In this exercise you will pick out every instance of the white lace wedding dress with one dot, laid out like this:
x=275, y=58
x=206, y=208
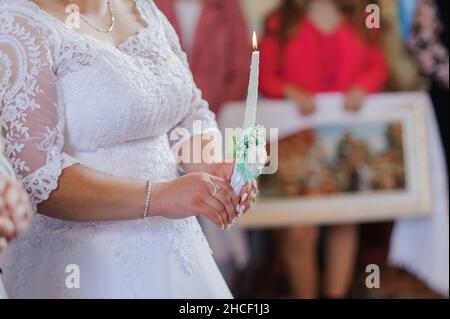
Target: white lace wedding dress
x=68, y=98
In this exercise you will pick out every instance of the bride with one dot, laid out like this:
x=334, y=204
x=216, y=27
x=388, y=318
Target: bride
x=86, y=115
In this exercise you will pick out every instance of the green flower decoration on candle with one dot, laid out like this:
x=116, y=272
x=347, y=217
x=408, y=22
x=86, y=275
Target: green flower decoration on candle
x=250, y=152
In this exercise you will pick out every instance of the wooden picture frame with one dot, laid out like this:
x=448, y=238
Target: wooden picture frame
x=412, y=200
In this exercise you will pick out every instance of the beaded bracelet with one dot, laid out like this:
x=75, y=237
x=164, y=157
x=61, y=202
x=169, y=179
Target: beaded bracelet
x=148, y=199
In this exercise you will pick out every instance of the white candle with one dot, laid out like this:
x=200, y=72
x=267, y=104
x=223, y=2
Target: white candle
x=252, y=95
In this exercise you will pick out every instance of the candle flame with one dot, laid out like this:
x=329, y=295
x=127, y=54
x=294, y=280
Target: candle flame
x=255, y=41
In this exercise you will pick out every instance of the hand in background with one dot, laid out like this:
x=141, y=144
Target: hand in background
x=354, y=99
x=15, y=210
x=304, y=101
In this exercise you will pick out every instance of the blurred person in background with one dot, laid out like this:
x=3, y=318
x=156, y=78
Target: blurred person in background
x=425, y=31
x=215, y=37
x=310, y=47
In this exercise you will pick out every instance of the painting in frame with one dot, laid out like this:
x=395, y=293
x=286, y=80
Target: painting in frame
x=339, y=167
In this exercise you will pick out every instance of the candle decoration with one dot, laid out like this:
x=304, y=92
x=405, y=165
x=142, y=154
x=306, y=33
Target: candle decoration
x=249, y=149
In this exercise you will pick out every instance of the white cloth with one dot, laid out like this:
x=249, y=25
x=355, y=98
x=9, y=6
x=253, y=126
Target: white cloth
x=2, y=291
x=69, y=98
x=421, y=245
x=188, y=15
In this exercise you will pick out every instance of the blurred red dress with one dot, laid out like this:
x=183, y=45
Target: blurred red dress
x=318, y=62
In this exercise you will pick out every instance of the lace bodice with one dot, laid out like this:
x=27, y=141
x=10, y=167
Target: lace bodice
x=69, y=98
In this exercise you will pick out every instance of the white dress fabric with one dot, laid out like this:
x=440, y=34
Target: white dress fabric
x=68, y=98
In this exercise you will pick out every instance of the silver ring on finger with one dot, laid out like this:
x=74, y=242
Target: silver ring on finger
x=216, y=190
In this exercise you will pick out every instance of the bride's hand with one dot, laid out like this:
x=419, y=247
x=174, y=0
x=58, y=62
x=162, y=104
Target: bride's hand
x=248, y=193
x=196, y=194
x=248, y=197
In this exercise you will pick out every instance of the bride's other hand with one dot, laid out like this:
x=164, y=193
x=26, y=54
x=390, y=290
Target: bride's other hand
x=195, y=194
x=223, y=170
x=15, y=211
x=248, y=197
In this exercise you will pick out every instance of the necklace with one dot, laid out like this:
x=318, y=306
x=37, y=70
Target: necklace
x=111, y=25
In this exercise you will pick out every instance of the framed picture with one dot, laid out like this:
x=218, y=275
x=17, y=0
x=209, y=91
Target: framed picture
x=339, y=167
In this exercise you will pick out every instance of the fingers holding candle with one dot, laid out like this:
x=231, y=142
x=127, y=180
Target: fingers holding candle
x=248, y=197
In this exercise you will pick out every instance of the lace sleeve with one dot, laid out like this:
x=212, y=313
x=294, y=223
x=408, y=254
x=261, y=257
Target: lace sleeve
x=5, y=167
x=200, y=112
x=32, y=123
